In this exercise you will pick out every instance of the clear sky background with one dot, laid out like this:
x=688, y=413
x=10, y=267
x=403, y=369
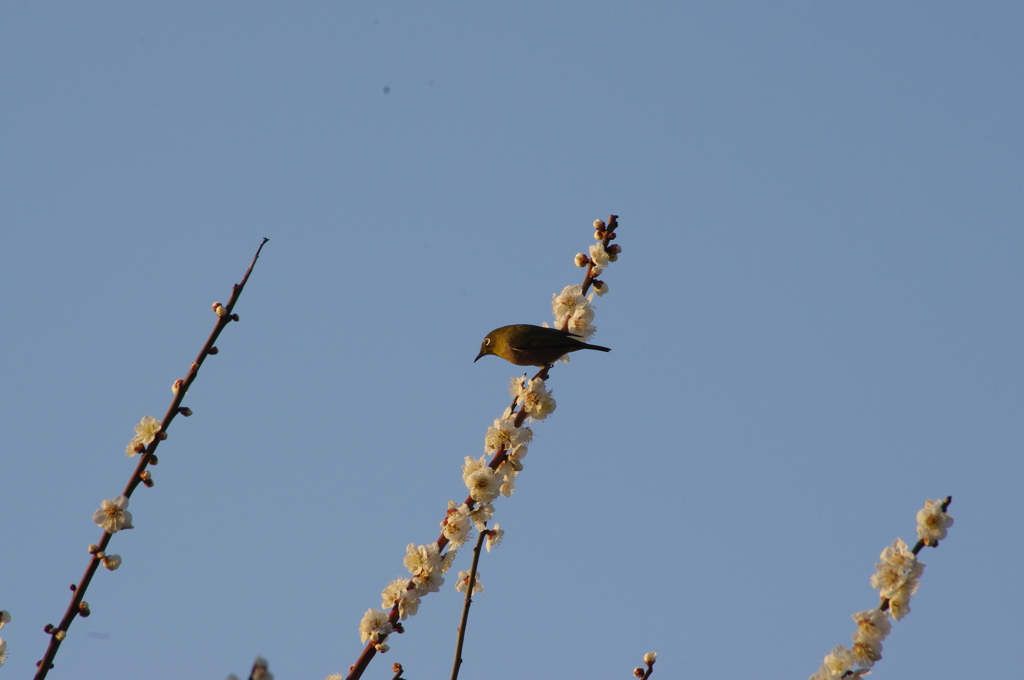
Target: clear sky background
x=816, y=325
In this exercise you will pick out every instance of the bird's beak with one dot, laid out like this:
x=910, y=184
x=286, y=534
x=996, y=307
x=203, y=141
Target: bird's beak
x=478, y=356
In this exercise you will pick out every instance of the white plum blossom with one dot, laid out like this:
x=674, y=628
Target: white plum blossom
x=398, y=594
x=579, y=323
x=505, y=435
x=899, y=569
x=375, y=626
x=145, y=432
x=535, y=398
x=896, y=577
x=932, y=522
x=568, y=301
x=471, y=465
x=456, y=525
x=494, y=537
x=483, y=484
x=516, y=455
x=463, y=583
x=424, y=559
x=872, y=625
x=838, y=661
x=506, y=472
x=866, y=653
x=599, y=256
x=113, y=515
x=481, y=515
x=899, y=603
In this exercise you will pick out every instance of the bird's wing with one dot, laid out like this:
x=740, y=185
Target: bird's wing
x=552, y=337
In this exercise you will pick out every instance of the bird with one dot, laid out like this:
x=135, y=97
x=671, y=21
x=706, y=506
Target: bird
x=526, y=345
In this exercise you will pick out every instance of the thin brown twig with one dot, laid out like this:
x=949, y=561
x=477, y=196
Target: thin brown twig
x=465, y=607
x=57, y=633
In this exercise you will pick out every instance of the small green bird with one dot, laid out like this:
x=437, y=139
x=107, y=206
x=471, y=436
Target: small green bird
x=526, y=345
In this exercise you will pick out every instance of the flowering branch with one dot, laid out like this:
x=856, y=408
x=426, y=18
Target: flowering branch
x=896, y=579
x=507, y=442
x=113, y=515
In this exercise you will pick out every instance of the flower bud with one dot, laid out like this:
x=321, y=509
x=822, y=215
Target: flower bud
x=177, y=385
x=59, y=635
x=146, y=478
x=598, y=235
x=112, y=562
x=600, y=287
x=213, y=350
x=83, y=609
x=650, y=658
x=581, y=260
x=614, y=249
x=234, y=317
x=93, y=548
x=638, y=672
x=219, y=309
x=382, y=648
x=185, y=411
x=599, y=225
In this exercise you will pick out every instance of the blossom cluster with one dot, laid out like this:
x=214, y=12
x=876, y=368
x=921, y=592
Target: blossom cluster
x=572, y=309
x=427, y=564
x=573, y=312
x=932, y=522
x=896, y=578
x=534, y=396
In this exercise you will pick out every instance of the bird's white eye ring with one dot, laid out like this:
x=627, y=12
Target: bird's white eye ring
x=487, y=341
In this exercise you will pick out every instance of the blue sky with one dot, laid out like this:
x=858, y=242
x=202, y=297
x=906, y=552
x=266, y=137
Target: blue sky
x=815, y=326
